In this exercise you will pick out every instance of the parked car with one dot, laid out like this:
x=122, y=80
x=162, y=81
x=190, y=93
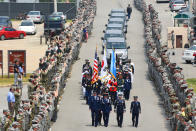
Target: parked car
x=188, y=54
x=184, y=9
x=9, y=32
x=64, y=17
x=177, y=5
x=5, y=21
x=36, y=16
x=120, y=46
x=28, y=27
x=54, y=23
x=172, y=1
x=158, y=1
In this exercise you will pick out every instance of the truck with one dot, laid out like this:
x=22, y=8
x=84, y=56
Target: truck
x=54, y=23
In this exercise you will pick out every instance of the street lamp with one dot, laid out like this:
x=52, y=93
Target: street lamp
x=55, y=5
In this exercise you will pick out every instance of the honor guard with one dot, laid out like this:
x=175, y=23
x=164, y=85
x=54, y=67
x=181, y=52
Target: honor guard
x=120, y=108
x=106, y=108
x=135, y=110
x=95, y=107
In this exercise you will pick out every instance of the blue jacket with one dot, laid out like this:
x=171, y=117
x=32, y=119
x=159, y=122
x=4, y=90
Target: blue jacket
x=95, y=103
x=120, y=106
x=106, y=105
x=127, y=84
x=135, y=107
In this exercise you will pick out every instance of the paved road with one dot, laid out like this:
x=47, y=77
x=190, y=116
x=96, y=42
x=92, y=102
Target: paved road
x=74, y=114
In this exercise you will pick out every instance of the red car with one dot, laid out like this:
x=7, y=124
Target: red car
x=9, y=32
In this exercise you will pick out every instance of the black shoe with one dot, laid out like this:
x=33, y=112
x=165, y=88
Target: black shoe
x=120, y=126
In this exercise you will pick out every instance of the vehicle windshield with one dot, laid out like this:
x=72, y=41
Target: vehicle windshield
x=54, y=18
x=26, y=24
x=3, y=20
x=110, y=28
x=1, y=28
x=58, y=13
x=33, y=13
x=116, y=22
x=113, y=35
x=192, y=48
x=178, y=2
x=116, y=45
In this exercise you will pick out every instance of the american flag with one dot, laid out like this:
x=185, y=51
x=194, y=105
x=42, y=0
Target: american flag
x=95, y=69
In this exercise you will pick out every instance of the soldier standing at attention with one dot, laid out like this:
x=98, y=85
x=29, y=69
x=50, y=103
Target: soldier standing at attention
x=119, y=108
x=106, y=108
x=135, y=110
x=95, y=107
x=17, y=95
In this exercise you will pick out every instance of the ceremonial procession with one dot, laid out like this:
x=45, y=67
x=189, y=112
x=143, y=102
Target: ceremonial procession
x=101, y=65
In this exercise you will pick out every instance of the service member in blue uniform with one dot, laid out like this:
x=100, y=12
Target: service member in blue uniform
x=95, y=107
x=106, y=108
x=135, y=110
x=127, y=87
x=120, y=108
x=86, y=83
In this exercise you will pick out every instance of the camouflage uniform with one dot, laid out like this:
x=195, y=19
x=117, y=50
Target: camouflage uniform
x=17, y=94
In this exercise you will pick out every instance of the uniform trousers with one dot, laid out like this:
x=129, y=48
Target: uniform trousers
x=135, y=117
x=126, y=94
x=120, y=118
x=106, y=118
x=95, y=117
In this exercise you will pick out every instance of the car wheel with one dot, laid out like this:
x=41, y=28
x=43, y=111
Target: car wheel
x=2, y=37
x=188, y=61
x=21, y=36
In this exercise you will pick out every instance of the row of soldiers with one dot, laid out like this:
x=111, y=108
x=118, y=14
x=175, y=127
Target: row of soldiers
x=48, y=81
x=178, y=99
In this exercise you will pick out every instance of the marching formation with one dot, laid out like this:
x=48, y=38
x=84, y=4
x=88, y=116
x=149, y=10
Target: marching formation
x=101, y=94
x=48, y=82
x=177, y=99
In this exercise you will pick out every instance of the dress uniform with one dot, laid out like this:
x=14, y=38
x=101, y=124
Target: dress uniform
x=127, y=87
x=86, y=82
x=95, y=107
x=106, y=108
x=135, y=110
x=120, y=108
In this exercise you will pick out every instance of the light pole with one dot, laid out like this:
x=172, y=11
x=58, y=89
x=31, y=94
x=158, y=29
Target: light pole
x=55, y=5
x=34, y=5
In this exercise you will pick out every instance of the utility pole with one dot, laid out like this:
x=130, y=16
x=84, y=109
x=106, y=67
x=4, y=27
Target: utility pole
x=55, y=5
